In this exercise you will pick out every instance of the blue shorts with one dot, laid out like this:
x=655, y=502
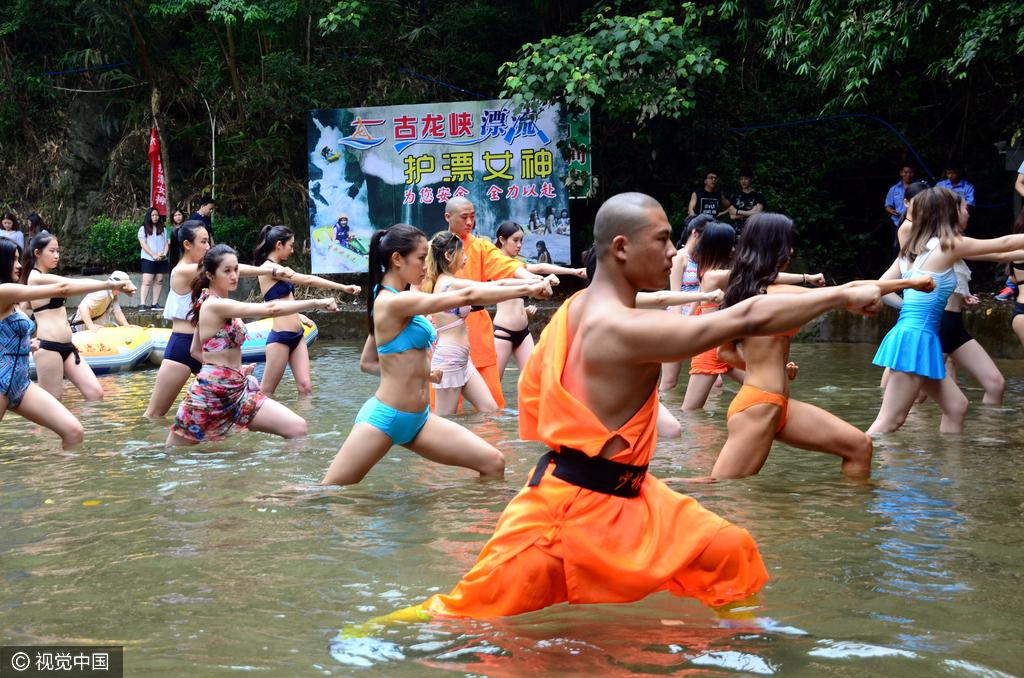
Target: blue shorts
x=400, y=426
x=289, y=339
x=179, y=349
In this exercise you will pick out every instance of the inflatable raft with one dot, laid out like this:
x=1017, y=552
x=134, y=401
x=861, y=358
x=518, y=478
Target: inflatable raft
x=110, y=349
x=254, y=350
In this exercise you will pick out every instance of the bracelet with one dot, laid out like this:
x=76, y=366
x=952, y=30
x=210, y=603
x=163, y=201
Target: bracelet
x=804, y=281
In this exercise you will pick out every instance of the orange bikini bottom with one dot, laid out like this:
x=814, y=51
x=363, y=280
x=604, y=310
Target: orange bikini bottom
x=708, y=363
x=749, y=396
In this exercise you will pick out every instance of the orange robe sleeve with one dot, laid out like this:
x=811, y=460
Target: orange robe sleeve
x=557, y=542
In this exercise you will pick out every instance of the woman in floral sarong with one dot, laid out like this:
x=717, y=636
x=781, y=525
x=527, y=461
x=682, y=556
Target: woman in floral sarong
x=225, y=397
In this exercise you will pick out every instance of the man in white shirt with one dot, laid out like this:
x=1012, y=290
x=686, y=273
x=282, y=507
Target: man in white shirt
x=96, y=305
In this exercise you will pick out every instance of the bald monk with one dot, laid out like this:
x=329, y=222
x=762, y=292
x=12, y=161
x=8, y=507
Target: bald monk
x=484, y=262
x=591, y=525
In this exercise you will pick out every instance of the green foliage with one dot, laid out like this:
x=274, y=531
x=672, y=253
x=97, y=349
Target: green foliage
x=239, y=232
x=638, y=67
x=115, y=244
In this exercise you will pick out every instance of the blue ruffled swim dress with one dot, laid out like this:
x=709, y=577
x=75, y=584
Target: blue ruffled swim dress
x=912, y=345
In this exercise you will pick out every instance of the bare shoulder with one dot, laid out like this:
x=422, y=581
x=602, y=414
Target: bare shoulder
x=716, y=279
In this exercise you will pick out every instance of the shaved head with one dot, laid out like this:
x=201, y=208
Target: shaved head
x=456, y=204
x=622, y=214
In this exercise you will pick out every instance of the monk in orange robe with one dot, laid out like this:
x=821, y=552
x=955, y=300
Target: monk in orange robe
x=484, y=262
x=591, y=525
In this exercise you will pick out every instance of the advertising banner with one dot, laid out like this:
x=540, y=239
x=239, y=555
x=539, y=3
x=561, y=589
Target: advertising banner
x=157, y=182
x=373, y=167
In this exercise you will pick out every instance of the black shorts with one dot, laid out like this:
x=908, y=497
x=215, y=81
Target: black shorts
x=149, y=266
x=178, y=349
x=952, y=333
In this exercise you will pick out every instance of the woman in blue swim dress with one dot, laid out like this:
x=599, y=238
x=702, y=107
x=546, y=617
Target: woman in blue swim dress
x=912, y=350
x=17, y=393
x=398, y=349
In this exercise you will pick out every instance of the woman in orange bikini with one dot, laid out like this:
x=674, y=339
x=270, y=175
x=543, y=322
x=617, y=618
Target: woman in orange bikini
x=714, y=256
x=762, y=410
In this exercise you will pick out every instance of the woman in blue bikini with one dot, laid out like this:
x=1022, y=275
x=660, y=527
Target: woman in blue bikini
x=285, y=346
x=398, y=349
x=912, y=350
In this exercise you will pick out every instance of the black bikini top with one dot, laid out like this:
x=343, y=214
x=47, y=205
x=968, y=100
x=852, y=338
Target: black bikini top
x=54, y=302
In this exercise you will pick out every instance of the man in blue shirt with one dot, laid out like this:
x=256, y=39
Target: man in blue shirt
x=957, y=184
x=894, y=198
x=204, y=212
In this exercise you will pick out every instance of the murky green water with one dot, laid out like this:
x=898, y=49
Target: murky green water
x=222, y=560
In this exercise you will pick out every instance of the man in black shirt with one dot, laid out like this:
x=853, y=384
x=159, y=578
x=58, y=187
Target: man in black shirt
x=709, y=200
x=747, y=202
x=204, y=212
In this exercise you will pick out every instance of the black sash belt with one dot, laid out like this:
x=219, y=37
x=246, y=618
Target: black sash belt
x=591, y=473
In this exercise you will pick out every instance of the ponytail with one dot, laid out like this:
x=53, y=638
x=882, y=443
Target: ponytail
x=269, y=236
x=186, y=232
x=400, y=238
x=28, y=261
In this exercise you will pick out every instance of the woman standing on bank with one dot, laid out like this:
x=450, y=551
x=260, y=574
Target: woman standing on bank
x=285, y=345
x=154, y=244
x=57, y=357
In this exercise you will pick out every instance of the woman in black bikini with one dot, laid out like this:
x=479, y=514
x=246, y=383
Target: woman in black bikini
x=512, y=319
x=57, y=356
x=1017, y=273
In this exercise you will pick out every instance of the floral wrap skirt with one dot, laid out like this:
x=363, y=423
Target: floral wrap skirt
x=219, y=401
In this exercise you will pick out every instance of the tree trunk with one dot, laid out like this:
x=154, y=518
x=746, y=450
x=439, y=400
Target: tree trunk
x=236, y=82
x=140, y=44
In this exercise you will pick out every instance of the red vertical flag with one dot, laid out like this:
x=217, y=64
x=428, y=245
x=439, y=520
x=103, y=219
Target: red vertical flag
x=158, y=185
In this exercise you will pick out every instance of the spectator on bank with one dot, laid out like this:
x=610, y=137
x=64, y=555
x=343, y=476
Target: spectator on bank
x=957, y=183
x=1020, y=180
x=747, y=202
x=708, y=199
x=95, y=308
x=36, y=225
x=1010, y=290
x=177, y=219
x=894, y=198
x=11, y=229
x=204, y=212
x=153, y=241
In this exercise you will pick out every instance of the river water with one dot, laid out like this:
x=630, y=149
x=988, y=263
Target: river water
x=227, y=559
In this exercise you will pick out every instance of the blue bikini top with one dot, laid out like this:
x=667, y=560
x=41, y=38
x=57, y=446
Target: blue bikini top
x=419, y=334
x=279, y=290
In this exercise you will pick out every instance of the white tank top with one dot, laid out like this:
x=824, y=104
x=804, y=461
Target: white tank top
x=178, y=305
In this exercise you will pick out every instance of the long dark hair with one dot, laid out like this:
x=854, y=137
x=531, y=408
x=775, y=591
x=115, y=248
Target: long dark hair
x=912, y=191
x=714, y=251
x=36, y=225
x=13, y=219
x=694, y=223
x=269, y=237
x=763, y=251
x=185, y=232
x=29, y=258
x=207, y=269
x=1018, y=227
x=506, y=230
x=400, y=238
x=9, y=253
x=147, y=222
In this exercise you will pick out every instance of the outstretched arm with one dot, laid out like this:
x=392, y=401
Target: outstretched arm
x=552, y=269
x=306, y=280
x=412, y=303
x=816, y=279
x=229, y=308
x=652, y=336
x=666, y=298
x=57, y=286
x=277, y=272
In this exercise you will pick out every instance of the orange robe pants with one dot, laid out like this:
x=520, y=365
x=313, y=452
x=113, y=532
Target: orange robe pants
x=557, y=542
